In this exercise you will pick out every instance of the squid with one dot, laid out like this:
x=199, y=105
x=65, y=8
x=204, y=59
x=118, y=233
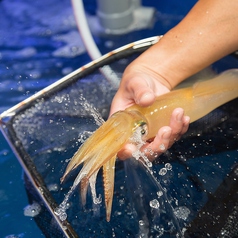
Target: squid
x=100, y=149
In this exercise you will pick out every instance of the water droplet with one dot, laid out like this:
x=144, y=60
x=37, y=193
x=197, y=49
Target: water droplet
x=141, y=223
x=160, y=193
x=162, y=147
x=32, y=210
x=109, y=44
x=53, y=187
x=154, y=204
x=181, y=212
x=66, y=70
x=162, y=171
x=60, y=212
x=119, y=213
x=168, y=166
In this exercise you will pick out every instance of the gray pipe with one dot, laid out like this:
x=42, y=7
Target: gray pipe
x=115, y=14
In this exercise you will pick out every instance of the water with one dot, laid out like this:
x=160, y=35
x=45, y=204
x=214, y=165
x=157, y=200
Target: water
x=37, y=47
x=13, y=198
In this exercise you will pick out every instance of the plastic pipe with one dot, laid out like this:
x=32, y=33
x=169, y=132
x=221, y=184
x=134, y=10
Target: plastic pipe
x=115, y=14
x=89, y=42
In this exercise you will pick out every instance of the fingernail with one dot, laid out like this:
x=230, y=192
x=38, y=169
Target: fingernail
x=187, y=119
x=179, y=116
x=146, y=99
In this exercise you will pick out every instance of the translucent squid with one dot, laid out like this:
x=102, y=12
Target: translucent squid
x=100, y=149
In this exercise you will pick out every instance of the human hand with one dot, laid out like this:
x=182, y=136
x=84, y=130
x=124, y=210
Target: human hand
x=186, y=49
x=163, y=140
x=142, y=89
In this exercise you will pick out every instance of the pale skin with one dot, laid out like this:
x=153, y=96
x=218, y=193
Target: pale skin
x=208, y=33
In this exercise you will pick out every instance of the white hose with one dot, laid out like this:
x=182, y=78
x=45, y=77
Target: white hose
x=89, y=42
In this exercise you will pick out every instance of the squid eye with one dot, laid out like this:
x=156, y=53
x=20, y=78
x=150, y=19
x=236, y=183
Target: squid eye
x=144, y=130
x=139, y=133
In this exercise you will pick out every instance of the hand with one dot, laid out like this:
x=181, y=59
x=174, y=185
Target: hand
x=183, y=51
x=142, y=89
x=164, y=139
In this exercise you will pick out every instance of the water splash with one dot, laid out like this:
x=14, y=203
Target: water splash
x=92, y=110
x=162, y=194
x=150, y=201
x=137, y=139
x=84, y=136
x=60, y=211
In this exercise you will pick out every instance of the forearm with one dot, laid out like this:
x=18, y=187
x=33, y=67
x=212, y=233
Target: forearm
x=206, y=34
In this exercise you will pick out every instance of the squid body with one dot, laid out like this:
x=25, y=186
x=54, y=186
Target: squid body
x=100, y=150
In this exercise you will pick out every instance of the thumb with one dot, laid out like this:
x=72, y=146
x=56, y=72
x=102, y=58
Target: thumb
x=137, y=90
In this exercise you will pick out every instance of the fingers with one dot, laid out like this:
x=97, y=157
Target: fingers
x=179, y=125
x=126, y=152
x=160, y=143
x=139, y=89
x=167, y=135
x=142, y=90
x=163, y=140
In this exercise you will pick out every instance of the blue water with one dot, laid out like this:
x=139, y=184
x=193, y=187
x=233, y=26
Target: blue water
x=39, y=44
